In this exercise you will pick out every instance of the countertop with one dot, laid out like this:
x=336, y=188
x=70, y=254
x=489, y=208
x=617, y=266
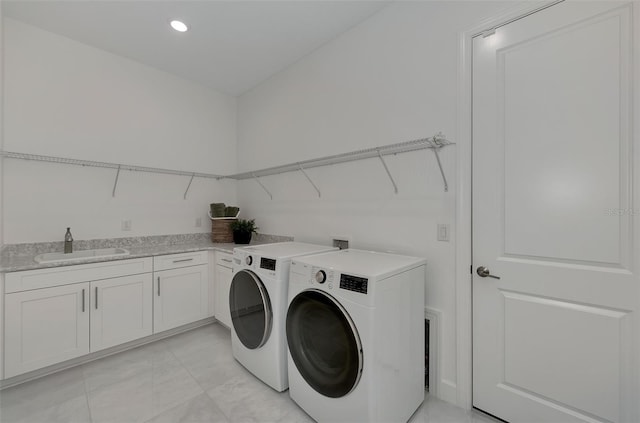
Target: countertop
x=18, y=257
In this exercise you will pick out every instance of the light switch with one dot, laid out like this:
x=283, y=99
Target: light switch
x=126, y=225
x=443, y=232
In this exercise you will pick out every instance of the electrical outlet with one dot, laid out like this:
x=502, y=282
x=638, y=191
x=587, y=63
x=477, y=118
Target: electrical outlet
x=443, y=232
x=198, y=222
x=126, y=225
x=342, y=244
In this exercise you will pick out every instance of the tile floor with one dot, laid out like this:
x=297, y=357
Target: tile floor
x=191, y=377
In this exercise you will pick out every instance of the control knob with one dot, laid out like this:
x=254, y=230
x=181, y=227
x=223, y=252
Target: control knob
x=321, y=276
x=248, y=260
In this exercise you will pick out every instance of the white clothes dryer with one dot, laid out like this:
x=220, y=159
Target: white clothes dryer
x=355, y=332
x=258, y=305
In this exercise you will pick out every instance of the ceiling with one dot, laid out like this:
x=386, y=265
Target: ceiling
x=231, y=46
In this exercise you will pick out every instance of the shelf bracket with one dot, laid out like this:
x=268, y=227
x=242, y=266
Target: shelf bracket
x=309, y=179
x=189, y=186
x=263, y=187
x=115, y=183
x=444, y=178
x=395, y=187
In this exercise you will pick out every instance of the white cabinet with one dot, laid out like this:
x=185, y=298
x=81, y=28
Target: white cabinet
x=52, y=315
x=121, y=310
x=50, y=325
x=181, y=295
x=174, y=261
x=56, y=314
x=65, y=275
x=224, y=274
x=45, y=326
x=211, y=268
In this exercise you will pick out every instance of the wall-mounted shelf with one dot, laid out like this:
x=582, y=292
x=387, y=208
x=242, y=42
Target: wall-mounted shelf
x=434, y=144
x=118, y=167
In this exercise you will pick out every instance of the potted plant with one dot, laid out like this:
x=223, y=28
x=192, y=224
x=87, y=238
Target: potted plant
x=242, y=230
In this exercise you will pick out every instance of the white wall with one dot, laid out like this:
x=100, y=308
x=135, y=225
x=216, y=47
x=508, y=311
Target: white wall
x=67, y=99
x=1, y=190
x=1, y=126
x=391, y=79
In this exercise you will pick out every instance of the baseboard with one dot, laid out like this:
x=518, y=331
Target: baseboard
x=16, y=380
x=448, y=391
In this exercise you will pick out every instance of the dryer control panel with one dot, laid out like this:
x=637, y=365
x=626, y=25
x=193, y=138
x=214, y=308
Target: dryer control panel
x=354, y=283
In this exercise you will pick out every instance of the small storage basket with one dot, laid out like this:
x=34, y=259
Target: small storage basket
x=221, y=230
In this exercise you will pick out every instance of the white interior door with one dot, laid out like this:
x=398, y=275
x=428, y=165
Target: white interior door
x=555, y=339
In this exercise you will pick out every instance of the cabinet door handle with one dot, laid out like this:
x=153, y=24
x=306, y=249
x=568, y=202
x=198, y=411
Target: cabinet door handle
x=227, y=260
x=96, y=297
x=183, y=260
x=158, y=286
x=83, y=300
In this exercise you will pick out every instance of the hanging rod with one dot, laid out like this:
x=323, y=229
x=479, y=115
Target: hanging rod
x=434, y=143
x=90, y=163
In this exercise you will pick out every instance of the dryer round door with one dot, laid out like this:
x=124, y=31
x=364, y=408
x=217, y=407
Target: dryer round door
x=324, y=343
x=250, y=307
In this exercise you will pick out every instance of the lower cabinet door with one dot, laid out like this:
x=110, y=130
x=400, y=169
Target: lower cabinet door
x=180, y=296
x=121, y=310
x=45, y=326
x=223, y=284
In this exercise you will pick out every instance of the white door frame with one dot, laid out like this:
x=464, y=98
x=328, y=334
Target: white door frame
x=463, y=200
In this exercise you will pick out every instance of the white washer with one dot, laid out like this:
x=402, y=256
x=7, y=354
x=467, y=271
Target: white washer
x=258, y=305
x=355, y=332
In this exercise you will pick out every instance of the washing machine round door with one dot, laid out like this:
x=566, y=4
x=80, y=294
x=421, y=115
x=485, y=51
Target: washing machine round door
x=324, y=343
x=250, y=309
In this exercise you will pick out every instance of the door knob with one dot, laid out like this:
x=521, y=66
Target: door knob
x=484, y=272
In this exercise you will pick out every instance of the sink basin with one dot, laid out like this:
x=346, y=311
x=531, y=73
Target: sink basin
x=81, y=255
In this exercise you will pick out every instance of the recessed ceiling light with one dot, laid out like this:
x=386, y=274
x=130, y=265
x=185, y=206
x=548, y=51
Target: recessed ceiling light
x=179, y=26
